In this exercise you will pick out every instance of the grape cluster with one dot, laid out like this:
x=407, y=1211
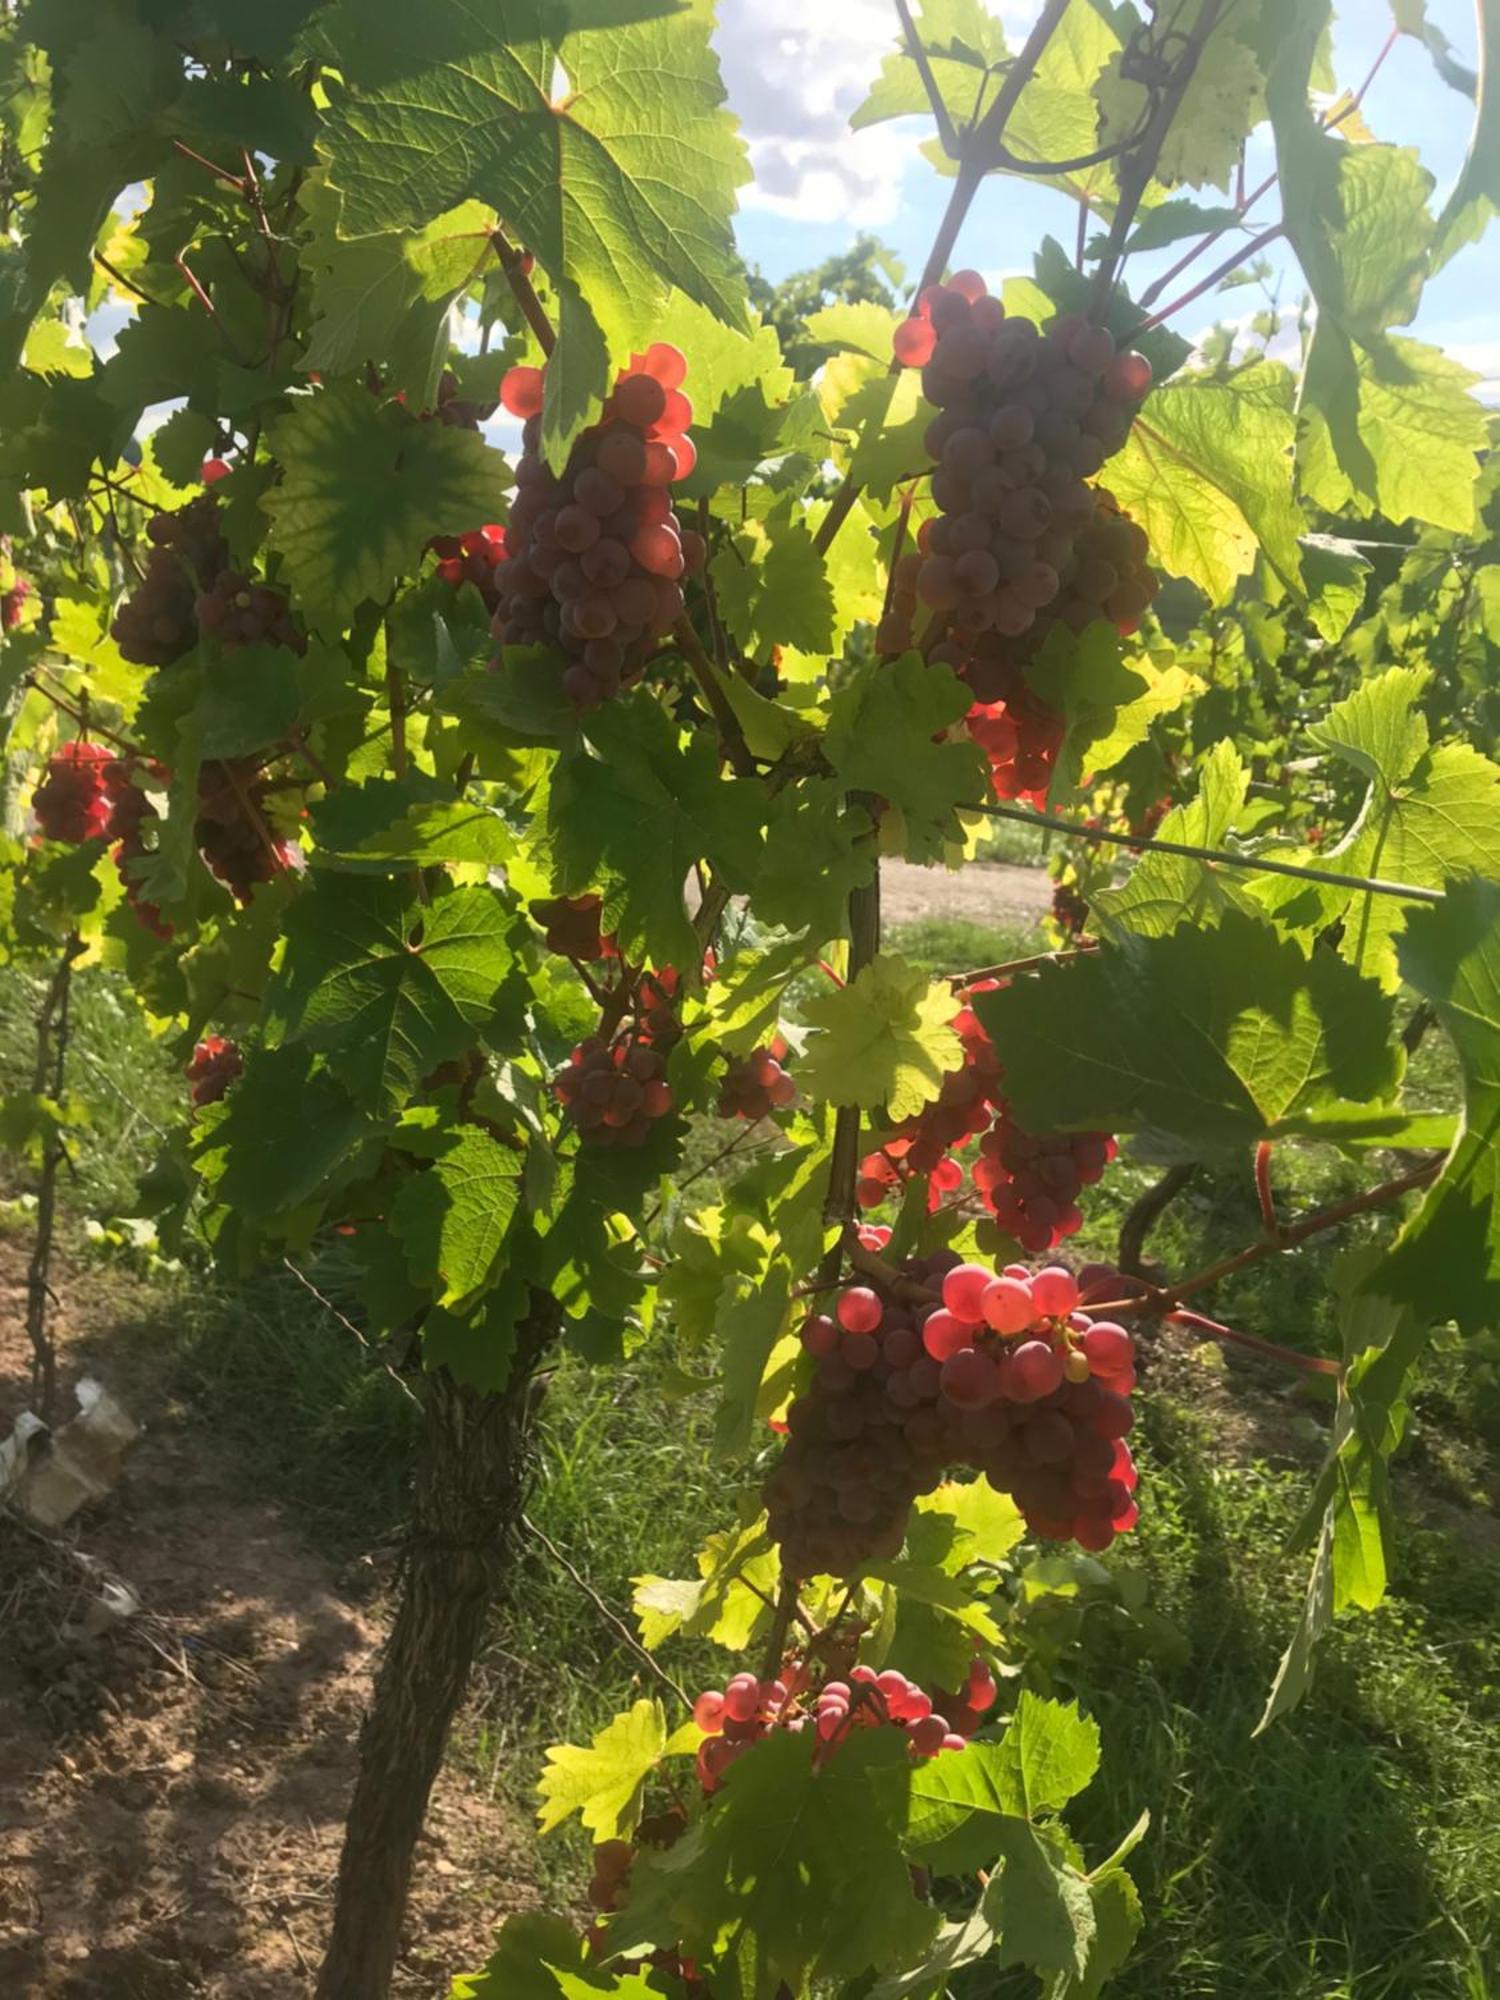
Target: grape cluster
x=1070, y=910
x=570, y=926
x=130, y=808
x=1006, y=1375
x=237, y=612
x=593, y=558
x=614, y=1091
x=72, y=802
x=923, y=1143
x=13, y=603
x=748, y=1708
x=474, y=558
x=1032, y=1183
x=232, y=830
x=1020, y=737
x=757, y=1085
x=215, y=1064
x=158, y=622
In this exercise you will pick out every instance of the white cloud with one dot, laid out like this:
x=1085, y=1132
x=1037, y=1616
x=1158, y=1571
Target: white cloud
x=1483, y=356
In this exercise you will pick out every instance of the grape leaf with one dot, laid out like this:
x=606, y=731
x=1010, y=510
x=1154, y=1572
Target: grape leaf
x=604, y=1783
x=884, y=1039
x=1431, y=816
x=529, y=1960
x=1107, y=706
x=364, y=486
x=1038, y=1904
x=1446, y=1261
x=385, y=299
x=881, y=424
x=1117, y=1924
x=385, y=824
x=620, y=187
x=638, y=813
x=1165, y=890
x=389, y=987
x=278, y=1135
x=818, y=848
x=750, y=1319
x=726, y=1880
x=1207, y=471
x=1214, y=1035
x=1170, y=221
x=880, y=739
x=1223, y=102
x=1048, y=1755
x=719, y=1603
x=963, y=44
x=1348, y=1516
x=1055, y=116
x=773, y=587
x=452, y=1218
x=1475, y=195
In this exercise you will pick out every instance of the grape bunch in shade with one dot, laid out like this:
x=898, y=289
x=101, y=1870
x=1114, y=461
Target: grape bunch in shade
x=756, y=1085
x=130, y=810
x=1032, y=1182
x=472, y=557
x=158, y=622
x=72, y=803
x=13, y=603
x=1070, y=910
x=232, y=829
x=951, y=1365
x=594, y=557
x=237, y=611
x=748, y=1708
x=214, y=1065
x=570, y=926
x=614, y=1091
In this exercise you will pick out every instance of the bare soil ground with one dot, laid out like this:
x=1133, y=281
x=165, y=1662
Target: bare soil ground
x=983, y=892
x=172, y=1787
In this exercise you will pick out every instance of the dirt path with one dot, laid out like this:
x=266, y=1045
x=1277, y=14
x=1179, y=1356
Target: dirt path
x=982, y=892
x=172, y=1788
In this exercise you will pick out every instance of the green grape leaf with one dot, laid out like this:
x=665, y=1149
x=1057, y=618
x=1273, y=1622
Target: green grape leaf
x=531, y=1952
x=636, y=810
x=387, y=986
x=1055, y=117
x=773, y=587
x=1038, y=1904
x=279, y=1134
x=1117, y=1925
x=163, y=353
x=1170, y=221
x=385, y=299
x=1047, y=1756
x=181, y=444
x=1446, y=1261
x=364, y=486
x=1223, y=102
x=1107, y=706
x=725, y=1602
x=1214, y=1035
x=1475, y=195
x=963, y=44
x=386, y=824
x=1390, y=424
x=604, y=1783
x=750, y=1319
x=959, y=1804
x=884, y=1039
x=1431, y=816
x=1335, y=573
x=818, y=848
x=1165, y=890
x=1348, y=1516
x=880, y=425
x=452, y=1217
x=726, y=1880
x=620, y=187
x=880, y=739
x=1207, y=471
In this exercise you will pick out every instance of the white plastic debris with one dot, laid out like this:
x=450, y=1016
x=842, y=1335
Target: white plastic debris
x=49, y=1474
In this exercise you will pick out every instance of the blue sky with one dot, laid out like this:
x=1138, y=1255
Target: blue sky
x=795, y=69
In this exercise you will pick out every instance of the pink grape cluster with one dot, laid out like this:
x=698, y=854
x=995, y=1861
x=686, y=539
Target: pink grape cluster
x=72, y=803
x=214, y=1065
x=593, y=558
x=757, y=1085
x=13, y=603
x=1032, y=1183
x=999, y=1370
x=472, y=557
x=614, y=1091
x=748, y=1708
x=157, y=623
x=233, y=830
x=570, y=926
x=237, y=611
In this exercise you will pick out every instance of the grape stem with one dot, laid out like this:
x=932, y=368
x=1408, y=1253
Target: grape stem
x=706, y=675
x=1287, y=1357
x=523, y=290
x=1231, y=263
x=787, y=1608
x=85, y=722
x=1011, y=965
x=1264, y=1193
x=918, y=54
x=1257, y=863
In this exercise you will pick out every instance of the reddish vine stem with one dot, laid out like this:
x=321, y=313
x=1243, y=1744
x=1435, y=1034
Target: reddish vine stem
x=1286, y=1357
x=1220, y=271
x=916, y=49
x=1263, y=1191
x=1018, y=965
x=523, y=290
x=85, y=722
